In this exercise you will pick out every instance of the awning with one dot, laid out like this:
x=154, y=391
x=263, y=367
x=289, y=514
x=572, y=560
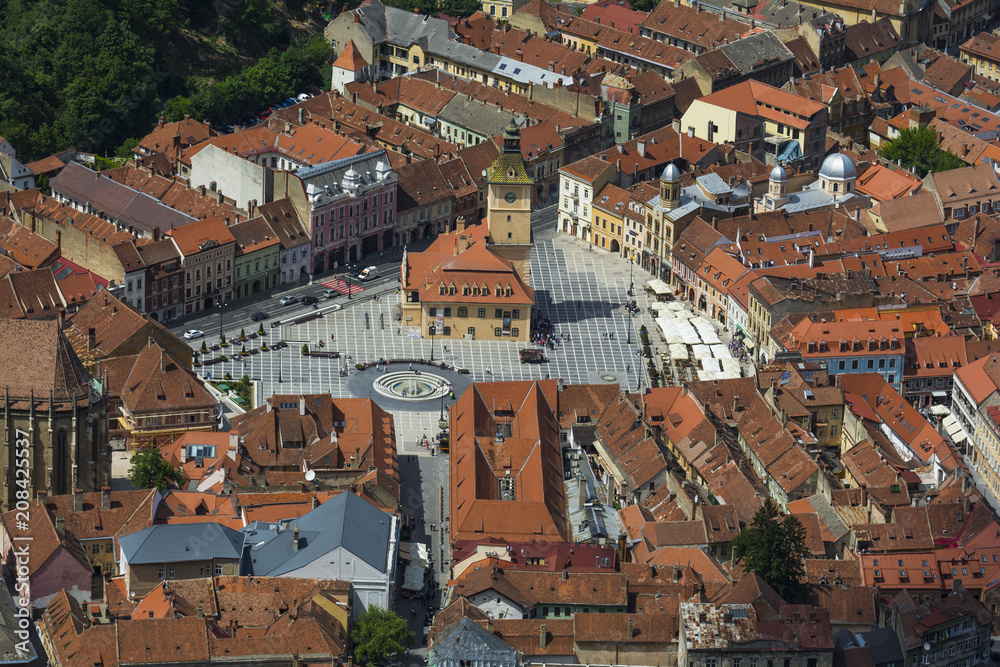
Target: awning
x=954, y=430
x=939, y=394
x=748, y=343
x=658, y=286
x=940, y=410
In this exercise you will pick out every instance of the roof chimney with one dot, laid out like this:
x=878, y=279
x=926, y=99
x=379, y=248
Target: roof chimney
x=302, y=406
x=295, y=539
x=630, y=628
x=163, y=360
x=105, y=497
x=91, y=339
x=543, y=635
x=77, y=500
x=301, y=115
x=565, y=576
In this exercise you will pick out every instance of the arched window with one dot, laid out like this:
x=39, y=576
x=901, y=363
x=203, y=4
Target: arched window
x=463, y=311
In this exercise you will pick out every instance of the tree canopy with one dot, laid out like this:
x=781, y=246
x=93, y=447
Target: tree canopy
x=918, y=149
x=150, y=470
x=96, y=73
x=379, y=633
x=774, y=547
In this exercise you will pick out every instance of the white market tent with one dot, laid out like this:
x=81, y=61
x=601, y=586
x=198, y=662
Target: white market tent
x=731, y=367
x=418, y=554
x=720, y=351
x=701, y=351
x=413, y=580
x=678, y=351
x=675, y=305
x=711, y=364
x=658, y=286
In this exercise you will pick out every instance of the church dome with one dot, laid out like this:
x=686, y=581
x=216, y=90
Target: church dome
x=671, y=174
x=778, y=175
x=838, y=167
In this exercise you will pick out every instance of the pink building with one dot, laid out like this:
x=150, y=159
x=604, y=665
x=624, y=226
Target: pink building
x=352, y=209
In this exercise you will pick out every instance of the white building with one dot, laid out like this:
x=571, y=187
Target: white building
x=344, y=538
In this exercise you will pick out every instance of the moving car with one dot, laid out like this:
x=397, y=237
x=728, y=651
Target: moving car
x=193, y=333
x=368, y=273
x=285, y=300
x=331, y=293
x=258, y=316
x=532, y=356
x=309, y=300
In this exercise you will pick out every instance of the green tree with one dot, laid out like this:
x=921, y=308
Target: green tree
x=918, y=149
x=774, y=547
x=378, y=634
x=460, y=8
x=149, y=469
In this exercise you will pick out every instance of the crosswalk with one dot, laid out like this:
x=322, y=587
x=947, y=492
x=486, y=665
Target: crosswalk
x=341, y=286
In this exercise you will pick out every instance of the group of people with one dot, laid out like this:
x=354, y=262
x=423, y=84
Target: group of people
x=739, y=350
x=542, y=332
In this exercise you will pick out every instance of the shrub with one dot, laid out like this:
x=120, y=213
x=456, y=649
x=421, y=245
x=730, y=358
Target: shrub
x=360, y=367
x=305, y=349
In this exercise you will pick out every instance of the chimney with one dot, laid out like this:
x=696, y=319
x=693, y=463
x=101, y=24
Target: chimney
x=60, y=524
x=201, y=612
x=641, y=148
x=691, y=133
x=91, y=339
x=105, y=497
x=543, y=635
x=77, y=500
x=302, y=406
x=629, y=632
x=565, y=576
x=301, y=115
x=489, y=625
x=156, y=233
x=41, y=495
x=295, y=539
x=163, y=360
x=62, y=319
x=356, y=19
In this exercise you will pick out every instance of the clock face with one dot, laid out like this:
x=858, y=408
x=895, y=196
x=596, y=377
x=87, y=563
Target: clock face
x=510, y=197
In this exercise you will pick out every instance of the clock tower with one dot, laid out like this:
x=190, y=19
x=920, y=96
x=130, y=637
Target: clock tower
x=508, y=213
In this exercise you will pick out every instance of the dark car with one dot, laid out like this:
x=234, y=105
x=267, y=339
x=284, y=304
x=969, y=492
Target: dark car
x=258, y=316
x=309, y=300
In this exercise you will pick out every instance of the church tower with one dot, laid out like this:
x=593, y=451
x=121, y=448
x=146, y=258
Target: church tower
x=508, y=213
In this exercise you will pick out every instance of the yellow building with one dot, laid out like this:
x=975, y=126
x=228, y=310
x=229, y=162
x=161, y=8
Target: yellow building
x=501, y=9
x=983, y=52
x=910, y=18
x=474, y=282
x=610, y=219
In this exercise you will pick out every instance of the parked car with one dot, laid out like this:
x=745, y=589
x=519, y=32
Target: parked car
x=368, y=273
x=309, y=300
x=259, y=315
x=331, y=293
x=303, y=97
x=285, y=300
x=193, y=333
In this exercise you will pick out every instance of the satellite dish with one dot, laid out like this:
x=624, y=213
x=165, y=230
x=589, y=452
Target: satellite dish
x=927, y=646
x=310, y=475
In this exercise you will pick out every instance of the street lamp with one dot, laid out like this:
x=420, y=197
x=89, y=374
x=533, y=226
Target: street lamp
x=279, y=364
x=433, y=331
x=222, y=307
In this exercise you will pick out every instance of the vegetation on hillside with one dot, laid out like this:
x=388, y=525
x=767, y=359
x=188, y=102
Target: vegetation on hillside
x=918, y=149
x=95, y=73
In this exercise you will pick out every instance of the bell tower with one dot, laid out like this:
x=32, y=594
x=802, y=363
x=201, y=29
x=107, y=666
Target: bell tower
x=508, y=213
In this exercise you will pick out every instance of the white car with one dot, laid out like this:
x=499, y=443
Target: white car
x=368, y=273
x=193, y=333
x=285, y=300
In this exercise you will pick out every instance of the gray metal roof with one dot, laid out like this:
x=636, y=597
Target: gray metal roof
x=344, y=521
x=468, y=643
x=750, y=52
x=464, y=111
x=713, y=184
x=182, y=542
x=328, y=178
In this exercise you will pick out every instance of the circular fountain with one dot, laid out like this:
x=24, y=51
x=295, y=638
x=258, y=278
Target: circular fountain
x=411, y=385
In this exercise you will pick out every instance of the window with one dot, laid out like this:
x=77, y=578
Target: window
x=159, y=573
x=516, y=314
x=514, y=332
x=472, y=331
x=854, y=364
x=171, y=574
x=218, y=570
x=499, y=313
x=463, y=311
x=497, y=331
x=482, y=312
